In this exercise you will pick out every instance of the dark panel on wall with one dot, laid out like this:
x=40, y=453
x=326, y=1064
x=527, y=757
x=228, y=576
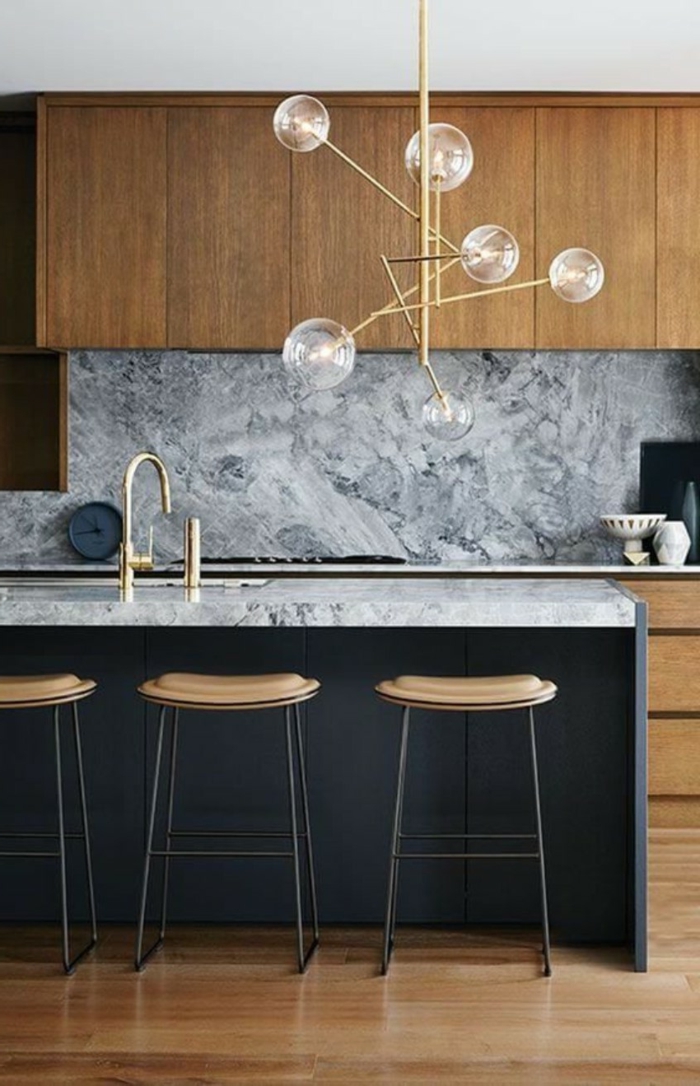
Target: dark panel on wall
x=582, y=743
x=231, y=774
x=112, y=732
x=353, y=754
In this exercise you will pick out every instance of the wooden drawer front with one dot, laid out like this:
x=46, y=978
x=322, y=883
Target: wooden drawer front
x=674, y=674
x=674, y=757
x=673, y=605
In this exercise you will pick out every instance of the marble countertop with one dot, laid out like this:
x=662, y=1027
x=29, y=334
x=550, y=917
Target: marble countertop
x=371, y=601
x=435, y=569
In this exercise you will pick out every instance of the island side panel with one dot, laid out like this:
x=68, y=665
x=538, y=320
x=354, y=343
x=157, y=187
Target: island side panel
x=353, y=755
x=582, y=739
x=638, y=802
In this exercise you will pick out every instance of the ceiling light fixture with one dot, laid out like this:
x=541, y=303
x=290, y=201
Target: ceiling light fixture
x=439, y=158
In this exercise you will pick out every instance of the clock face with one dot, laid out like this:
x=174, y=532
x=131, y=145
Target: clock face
x=95, y=530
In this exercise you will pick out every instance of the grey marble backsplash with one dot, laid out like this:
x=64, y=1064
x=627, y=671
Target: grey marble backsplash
x=272, y=469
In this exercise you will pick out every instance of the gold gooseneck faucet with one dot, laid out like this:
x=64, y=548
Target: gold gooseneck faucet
x=128, y=560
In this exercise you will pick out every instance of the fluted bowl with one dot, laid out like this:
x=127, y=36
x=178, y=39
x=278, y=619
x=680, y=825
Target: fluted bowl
x=632, y=528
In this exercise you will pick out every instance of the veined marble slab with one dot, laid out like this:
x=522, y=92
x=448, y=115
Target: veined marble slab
x=382, y=602
x=433, y=569
x=271, y=468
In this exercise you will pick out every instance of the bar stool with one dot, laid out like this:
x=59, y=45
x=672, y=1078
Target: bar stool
x=471, y=695
x=53, y=691
x=224, y=693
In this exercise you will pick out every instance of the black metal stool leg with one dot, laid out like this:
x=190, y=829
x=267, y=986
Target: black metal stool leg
x=307, y=831
x=392, y=891
x=540, y=849
x=61, y=842
x=169, y=822
x=140, y=957
x=69, y=963
x=295, y=837
x=85, y=826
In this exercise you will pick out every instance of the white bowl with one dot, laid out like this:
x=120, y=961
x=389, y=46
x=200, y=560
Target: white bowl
x=632, y=527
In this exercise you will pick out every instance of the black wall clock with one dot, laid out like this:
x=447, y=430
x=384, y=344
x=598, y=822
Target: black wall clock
x=95, y=530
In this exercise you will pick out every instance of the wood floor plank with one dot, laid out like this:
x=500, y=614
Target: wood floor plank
x=225, y=1005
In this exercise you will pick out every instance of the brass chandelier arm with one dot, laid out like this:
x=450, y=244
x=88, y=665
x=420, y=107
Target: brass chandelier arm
x=414, y=331
x=382, y=188
x=391, y=307
x=400, y=299
x=461, y=297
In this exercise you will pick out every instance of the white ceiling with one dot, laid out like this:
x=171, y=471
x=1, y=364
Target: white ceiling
x=347, y=45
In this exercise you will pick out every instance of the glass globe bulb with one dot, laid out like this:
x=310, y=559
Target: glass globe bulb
x=301, y=123
x=320, y=353
x=451, y=157
x=576, y=275
x=448, y=419
x=490, y=254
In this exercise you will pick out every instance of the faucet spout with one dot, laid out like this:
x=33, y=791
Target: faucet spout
x=127, y=560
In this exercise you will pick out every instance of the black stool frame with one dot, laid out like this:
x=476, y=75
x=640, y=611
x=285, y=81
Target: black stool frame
x=293, y=740
x=69, y=963
x=397, y=855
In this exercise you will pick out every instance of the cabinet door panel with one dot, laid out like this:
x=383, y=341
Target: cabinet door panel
x=674, y=757
x=105, y=228
x=674, y=676
x=596, y=188
x=228, y=229
x=17, y=231
x=678, y=181
x=341, y=224
x=672, y=605
x=500, y=190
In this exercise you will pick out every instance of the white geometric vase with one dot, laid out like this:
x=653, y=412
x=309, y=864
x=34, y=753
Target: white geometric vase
x=672, y=543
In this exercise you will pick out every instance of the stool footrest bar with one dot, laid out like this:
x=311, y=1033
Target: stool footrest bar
x=468, y=836
x=32, y=855
x=232, y=833
x=43, y=836
x=466, y=855
x=192, y=853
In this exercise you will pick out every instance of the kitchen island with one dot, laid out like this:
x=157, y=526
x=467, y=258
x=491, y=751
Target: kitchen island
x=588, y=636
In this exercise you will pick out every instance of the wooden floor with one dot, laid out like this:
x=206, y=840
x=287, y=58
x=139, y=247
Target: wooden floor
x=224, y=1006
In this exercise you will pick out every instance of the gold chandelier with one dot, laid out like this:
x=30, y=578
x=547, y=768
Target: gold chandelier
x=439, y=158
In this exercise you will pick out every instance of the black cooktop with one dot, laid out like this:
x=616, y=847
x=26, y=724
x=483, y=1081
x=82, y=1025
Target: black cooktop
x=308, y=560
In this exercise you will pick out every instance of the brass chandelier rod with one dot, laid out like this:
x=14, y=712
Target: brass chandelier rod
x=424, y=220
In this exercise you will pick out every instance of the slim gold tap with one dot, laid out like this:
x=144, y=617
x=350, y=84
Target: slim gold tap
x=128, y=560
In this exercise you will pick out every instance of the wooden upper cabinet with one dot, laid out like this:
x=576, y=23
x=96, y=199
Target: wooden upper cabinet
x=596, y=188
x=17, y=232
x=341, y=224
x=678, y=224
x=228, y=229
x=102, y=223
x=500, y=190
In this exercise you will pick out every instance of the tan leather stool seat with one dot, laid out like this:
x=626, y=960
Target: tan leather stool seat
x=229, y=691
x=464, y=694
x=25, y=691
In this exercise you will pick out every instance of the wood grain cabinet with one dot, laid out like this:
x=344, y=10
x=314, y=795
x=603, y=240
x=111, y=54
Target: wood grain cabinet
x=500, y=190
x=180, y=221
x=341, y=224
x=596, y=188
x=33, y=383
x=102, y=251
x=674, y=697
x=678, y=226
x=228, y=229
